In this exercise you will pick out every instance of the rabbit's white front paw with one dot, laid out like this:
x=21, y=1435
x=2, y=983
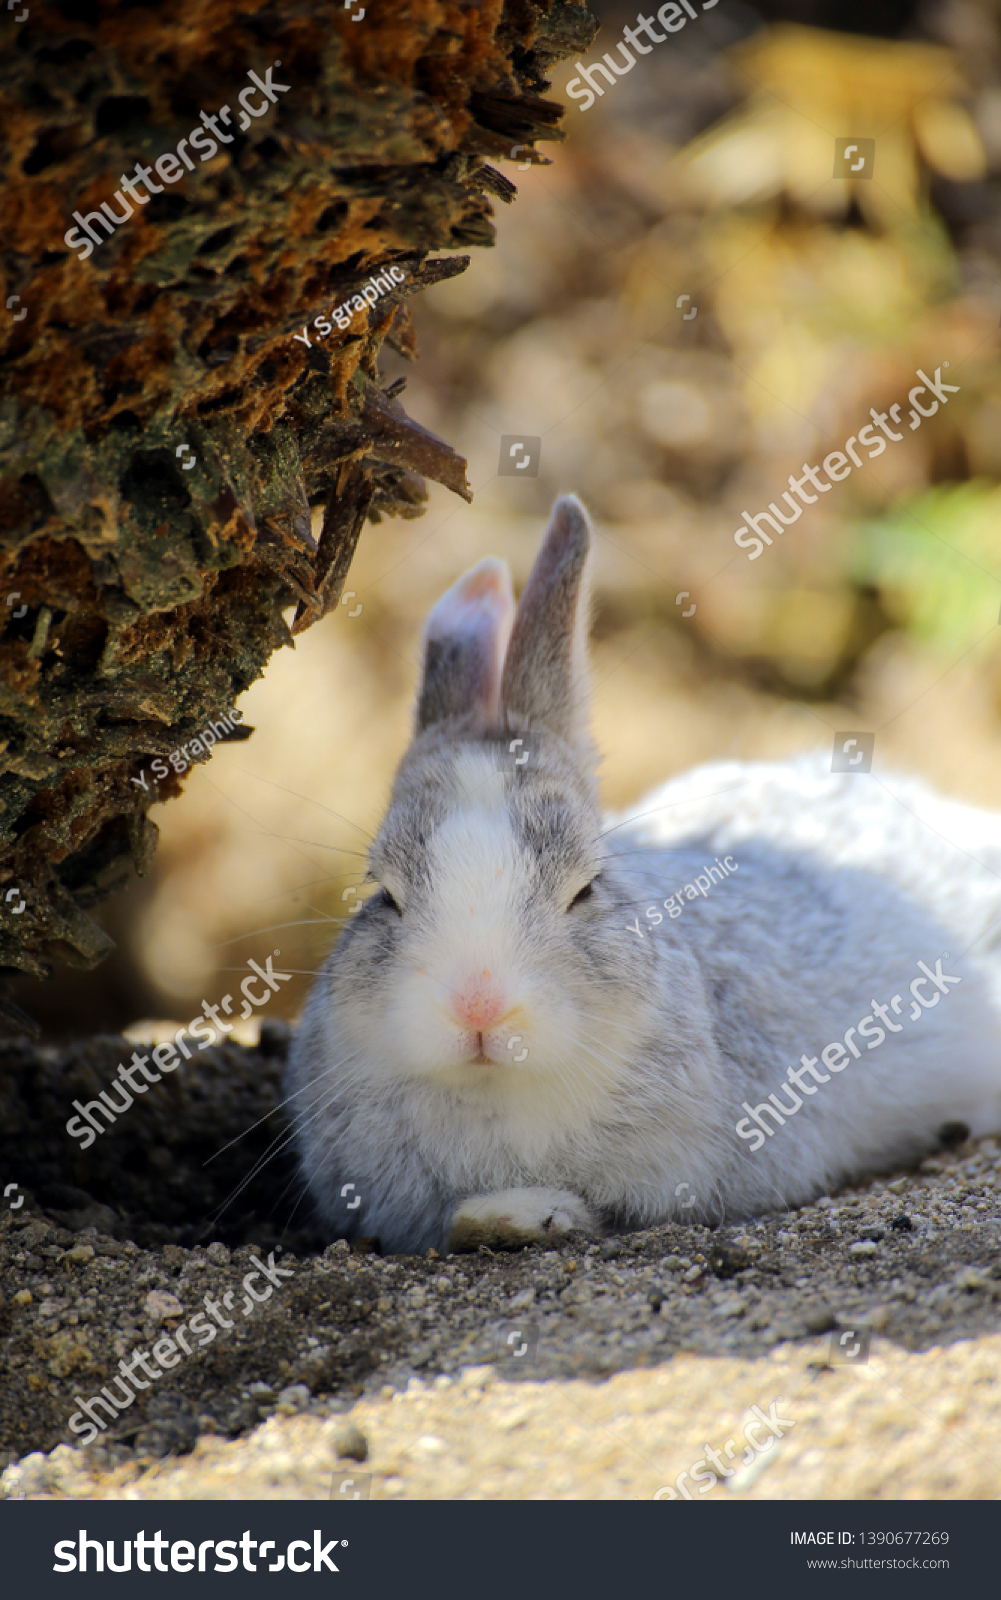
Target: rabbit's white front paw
x=517, y=1217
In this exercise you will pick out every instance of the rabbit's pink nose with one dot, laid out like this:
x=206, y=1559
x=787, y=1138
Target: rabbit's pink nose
x=478, y=1004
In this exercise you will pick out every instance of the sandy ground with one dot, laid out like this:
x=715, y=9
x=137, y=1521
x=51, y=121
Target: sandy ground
x=867, y=1326
x=902, y=1427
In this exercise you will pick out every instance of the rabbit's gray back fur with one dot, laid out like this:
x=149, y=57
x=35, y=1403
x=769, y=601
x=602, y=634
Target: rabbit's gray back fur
x=791, y=953
x=942, y=852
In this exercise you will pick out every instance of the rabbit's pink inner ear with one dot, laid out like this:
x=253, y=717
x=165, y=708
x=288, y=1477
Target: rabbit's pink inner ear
x=545, y=673
x=465, y=638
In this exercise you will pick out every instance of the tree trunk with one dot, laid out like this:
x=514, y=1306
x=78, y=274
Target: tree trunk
x=172, y=408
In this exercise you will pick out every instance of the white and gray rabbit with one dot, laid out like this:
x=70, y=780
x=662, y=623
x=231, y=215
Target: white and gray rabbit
x=533, y=1025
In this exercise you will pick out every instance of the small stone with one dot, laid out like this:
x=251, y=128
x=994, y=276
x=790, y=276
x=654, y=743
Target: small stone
x=295, y=1397
x=22, y=1298
x=692, y=1274
x=863, y=1247
x=160, y=1305
x=430, y=1444
x=728, y=1260
x=80, y=1254
x=820, y=1319
x=731, y=1305
x=239, y=1417
x=610, y=1250
x=655, y=1299
x=902, y=1224
x=972, y=1278
x=218, y=1253
x=351, y=1443
x=35, y=1230
x=673, y=1263
x=476, y=1377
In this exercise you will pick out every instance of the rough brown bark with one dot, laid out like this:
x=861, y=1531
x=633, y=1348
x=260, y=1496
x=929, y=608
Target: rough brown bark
x=154, y=588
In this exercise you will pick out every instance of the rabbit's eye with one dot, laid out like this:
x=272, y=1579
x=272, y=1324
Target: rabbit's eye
x=583, y=894
x=384, y=898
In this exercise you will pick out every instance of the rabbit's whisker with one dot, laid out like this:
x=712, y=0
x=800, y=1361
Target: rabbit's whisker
x=298, y=1125
x=307, y=800
x=279, y=1104
x=669, y=805
x=291, y=1217
x=274, y=927
x=317, y=844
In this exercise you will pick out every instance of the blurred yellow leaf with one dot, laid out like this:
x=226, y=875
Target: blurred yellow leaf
x=807, y=88
x=949, y=140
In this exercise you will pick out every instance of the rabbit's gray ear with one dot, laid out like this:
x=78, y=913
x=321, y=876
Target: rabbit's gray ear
x=465, y=637
x=545, y=673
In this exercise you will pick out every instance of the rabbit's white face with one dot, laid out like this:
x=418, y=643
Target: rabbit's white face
x=484, y=962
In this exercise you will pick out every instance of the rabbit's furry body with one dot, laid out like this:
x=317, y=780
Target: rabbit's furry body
x=504, y=1034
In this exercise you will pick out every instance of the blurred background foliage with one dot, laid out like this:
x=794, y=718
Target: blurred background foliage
x=706, y=172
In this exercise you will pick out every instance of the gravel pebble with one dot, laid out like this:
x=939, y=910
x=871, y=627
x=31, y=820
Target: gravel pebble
x=160, y=1305
x=351, y=1443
